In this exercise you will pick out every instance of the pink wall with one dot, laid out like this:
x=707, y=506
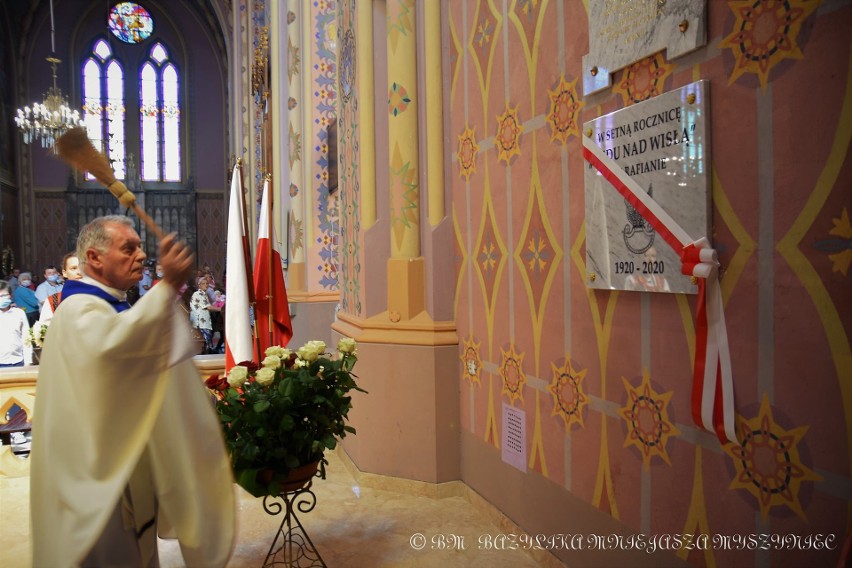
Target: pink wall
x=781, y=199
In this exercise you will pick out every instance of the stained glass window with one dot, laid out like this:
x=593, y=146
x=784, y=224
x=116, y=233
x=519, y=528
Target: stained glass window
x=103, y=104
x=171, y=124
x=111, y=97
x=159, y=115
x=130, y=22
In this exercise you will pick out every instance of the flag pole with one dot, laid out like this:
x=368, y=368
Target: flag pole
x=247, y=257
x=271, y=225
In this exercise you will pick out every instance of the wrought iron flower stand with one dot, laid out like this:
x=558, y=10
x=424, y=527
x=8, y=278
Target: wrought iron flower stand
x=294, y=546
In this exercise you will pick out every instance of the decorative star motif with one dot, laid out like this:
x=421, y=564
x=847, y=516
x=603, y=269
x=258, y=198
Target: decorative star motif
x=298, y=234
x=647, y=417
x=467, y=152
x=489, y=256
x=768, y=463
x=538, y=253
x=507, y=139
x=512, y=371
x=765, y=33
x=484, y=32
x=398, y=99
x=567, y=392
x=528, y=7
x=295, y=146
x=565, y=107
x=295, y=59
x=471, y=363
x=644, y=79
x=840, y=246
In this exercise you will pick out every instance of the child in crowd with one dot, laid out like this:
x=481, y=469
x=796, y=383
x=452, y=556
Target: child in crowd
x=218, y=299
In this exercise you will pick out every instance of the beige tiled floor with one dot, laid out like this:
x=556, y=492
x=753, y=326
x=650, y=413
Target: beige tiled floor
x=352, y=525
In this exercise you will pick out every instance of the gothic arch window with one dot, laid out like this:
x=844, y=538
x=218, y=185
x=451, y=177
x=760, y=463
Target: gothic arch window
x=117, y=82
x=103, y=104
x=159, y=110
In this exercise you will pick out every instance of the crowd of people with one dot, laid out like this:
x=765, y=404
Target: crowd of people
x=27, y=306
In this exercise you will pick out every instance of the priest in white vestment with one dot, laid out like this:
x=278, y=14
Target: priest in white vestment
x=125, y=438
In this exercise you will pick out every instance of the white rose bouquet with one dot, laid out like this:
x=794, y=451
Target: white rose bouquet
x=285, y=412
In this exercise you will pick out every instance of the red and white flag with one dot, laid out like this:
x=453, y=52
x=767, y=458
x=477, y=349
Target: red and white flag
x=238, y=338
x=712, y=381
x=272, y=311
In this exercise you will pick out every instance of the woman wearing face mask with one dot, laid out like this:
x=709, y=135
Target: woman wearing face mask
x=13, y=326
x=25, y=298
x=70, y=271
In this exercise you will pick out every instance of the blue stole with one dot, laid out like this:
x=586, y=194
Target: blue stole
x=73, y=287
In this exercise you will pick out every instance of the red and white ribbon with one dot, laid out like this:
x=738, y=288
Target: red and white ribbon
x=712, y=381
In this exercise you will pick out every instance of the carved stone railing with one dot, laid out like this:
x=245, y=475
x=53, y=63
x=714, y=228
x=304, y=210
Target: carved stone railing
x=18, y=387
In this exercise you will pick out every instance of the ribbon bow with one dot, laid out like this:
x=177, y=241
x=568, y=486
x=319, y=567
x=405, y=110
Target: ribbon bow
x=698, y=259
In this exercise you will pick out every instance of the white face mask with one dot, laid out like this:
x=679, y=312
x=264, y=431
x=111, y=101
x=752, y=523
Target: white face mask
x=5, y=302
x=26, y=283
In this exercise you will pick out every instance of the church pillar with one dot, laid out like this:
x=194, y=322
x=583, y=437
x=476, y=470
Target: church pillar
x=296, y=276
x=279, y=119
x=406, y=295
x=397, y=271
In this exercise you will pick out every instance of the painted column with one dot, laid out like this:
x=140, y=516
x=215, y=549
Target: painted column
x=296, y=271
x=257, y=60
x=307, y=114
x=235, y=69
x=280, y=116
x=434, y=111
x=406, y=268
x=367, y=115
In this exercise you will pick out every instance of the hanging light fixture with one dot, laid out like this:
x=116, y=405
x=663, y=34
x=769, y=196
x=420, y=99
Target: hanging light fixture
x=48, y=120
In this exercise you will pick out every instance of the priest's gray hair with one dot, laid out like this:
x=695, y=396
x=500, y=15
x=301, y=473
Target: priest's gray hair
x=97, y=236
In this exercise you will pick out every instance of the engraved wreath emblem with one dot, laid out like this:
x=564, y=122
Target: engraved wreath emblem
x=637, y=225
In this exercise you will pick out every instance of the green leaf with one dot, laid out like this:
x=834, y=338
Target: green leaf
x=247, y=479
x=287, y=423
x=261, y=406
x=292, y=461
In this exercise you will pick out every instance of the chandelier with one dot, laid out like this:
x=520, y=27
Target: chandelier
x=48, y=120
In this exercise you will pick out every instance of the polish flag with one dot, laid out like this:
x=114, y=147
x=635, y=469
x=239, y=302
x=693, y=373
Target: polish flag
x=272, y=312
x=238, y=338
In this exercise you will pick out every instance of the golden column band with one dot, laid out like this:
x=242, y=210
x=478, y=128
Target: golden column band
x=406, y=268
x=367, y=118
x=434, y=111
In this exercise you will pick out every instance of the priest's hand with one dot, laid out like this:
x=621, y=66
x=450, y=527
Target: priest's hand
x=177, y=260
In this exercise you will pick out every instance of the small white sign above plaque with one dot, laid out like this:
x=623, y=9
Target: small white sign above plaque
x=622, y=32
x=664, y=145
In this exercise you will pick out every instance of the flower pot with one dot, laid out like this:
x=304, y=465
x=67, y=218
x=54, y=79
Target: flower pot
x=36, y=355
x=295, y=479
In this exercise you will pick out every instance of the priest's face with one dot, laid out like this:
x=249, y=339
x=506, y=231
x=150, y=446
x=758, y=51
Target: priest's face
x=122, y=264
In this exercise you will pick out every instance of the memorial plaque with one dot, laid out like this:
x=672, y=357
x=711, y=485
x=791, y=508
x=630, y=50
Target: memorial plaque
x=663, y=144
x=622, y=32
